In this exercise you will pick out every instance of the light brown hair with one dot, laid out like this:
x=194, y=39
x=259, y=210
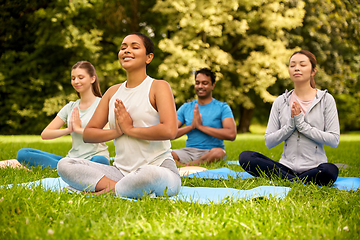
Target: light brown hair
x=90, y=69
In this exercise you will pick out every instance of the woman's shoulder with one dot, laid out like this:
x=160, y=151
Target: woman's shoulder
x=111, y=90
x=97, y=101
x=326, y=96
x=67, y=109
x=158, y=82
x=114, y=87
x=72, y=104
x=326, y=93
x=283, y=98
x=160, y=86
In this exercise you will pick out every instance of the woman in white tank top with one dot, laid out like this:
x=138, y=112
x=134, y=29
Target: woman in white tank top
x=142, y=116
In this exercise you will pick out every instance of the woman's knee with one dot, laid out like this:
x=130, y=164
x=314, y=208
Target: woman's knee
x=22, y=154
x=329, y=169
x=135, y=184
x=64, y=164
x=245, y=157
x=149, y=179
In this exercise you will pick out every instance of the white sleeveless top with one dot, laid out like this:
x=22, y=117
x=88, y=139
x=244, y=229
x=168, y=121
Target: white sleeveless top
x=131, y=153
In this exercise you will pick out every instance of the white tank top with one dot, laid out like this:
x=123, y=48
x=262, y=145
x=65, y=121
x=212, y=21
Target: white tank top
x=131, y=153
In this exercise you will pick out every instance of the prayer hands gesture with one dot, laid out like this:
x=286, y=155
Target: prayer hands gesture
x=295, y=109
x=197, y=118
x=122, y=118
x=75, y=121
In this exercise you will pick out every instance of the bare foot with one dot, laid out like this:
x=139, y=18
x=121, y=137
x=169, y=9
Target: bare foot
x=104, y=191
x=179, y=164
x=11, y=163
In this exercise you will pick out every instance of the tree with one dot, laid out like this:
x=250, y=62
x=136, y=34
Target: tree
x=40, y=41
x=243, y=41
x=331, y=31
x=247, y=43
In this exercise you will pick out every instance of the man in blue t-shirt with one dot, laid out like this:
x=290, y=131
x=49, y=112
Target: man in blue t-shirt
x=208, y=122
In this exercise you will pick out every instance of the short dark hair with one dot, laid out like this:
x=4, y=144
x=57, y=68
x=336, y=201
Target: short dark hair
x=149, y=45
x=207, y=72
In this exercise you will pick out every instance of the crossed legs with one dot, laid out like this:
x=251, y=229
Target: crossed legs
x=257, y=165
x=194, y=156
x=98, y=178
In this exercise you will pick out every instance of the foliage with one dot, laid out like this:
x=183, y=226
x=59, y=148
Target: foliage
x=41, y=40
x=246, y=42
x=243, y=41
x=308, y=212
x=331, y=30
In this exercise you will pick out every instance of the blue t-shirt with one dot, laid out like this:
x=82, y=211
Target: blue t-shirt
x=212, y=115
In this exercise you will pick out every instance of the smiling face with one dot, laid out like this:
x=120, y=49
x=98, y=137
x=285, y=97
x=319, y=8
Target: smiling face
x=81, y=80
x=300, y=69
x=132, y=54
x=203, y=86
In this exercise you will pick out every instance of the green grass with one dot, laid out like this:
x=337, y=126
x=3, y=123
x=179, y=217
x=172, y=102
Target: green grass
x=308, y=212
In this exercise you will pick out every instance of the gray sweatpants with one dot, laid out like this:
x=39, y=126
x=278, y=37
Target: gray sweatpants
x=83, y=175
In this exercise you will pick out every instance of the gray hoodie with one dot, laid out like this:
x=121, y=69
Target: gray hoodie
x=304, y=135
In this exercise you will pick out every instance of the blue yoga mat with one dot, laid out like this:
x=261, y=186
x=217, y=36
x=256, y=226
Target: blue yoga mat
x=233, y=162
x=206, y=195
x=220, y=173
x=202, y=195
x=347, y=183
x=342, y=183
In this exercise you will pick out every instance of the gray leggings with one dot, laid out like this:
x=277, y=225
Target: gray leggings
x=83, y=175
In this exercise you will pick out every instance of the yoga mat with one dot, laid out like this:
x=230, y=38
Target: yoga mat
x=183, y=171
x=202, y=195
x=342, y=183
x=220, y=173
x=233, y=162
x=207, y=195
x=53, y=184
x=347, y=183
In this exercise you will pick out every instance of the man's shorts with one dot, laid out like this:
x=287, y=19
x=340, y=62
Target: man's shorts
x=190, y=154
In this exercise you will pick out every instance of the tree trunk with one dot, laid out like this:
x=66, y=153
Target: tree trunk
x=134, y=24
x=245, y=119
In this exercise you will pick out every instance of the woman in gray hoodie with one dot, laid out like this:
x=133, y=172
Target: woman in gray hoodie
x=306, y=119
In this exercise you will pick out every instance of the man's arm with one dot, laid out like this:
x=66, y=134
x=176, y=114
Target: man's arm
x=227, y=132
x=183, y=130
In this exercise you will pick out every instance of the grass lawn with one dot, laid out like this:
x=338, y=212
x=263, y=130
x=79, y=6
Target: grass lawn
x=307, y=212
